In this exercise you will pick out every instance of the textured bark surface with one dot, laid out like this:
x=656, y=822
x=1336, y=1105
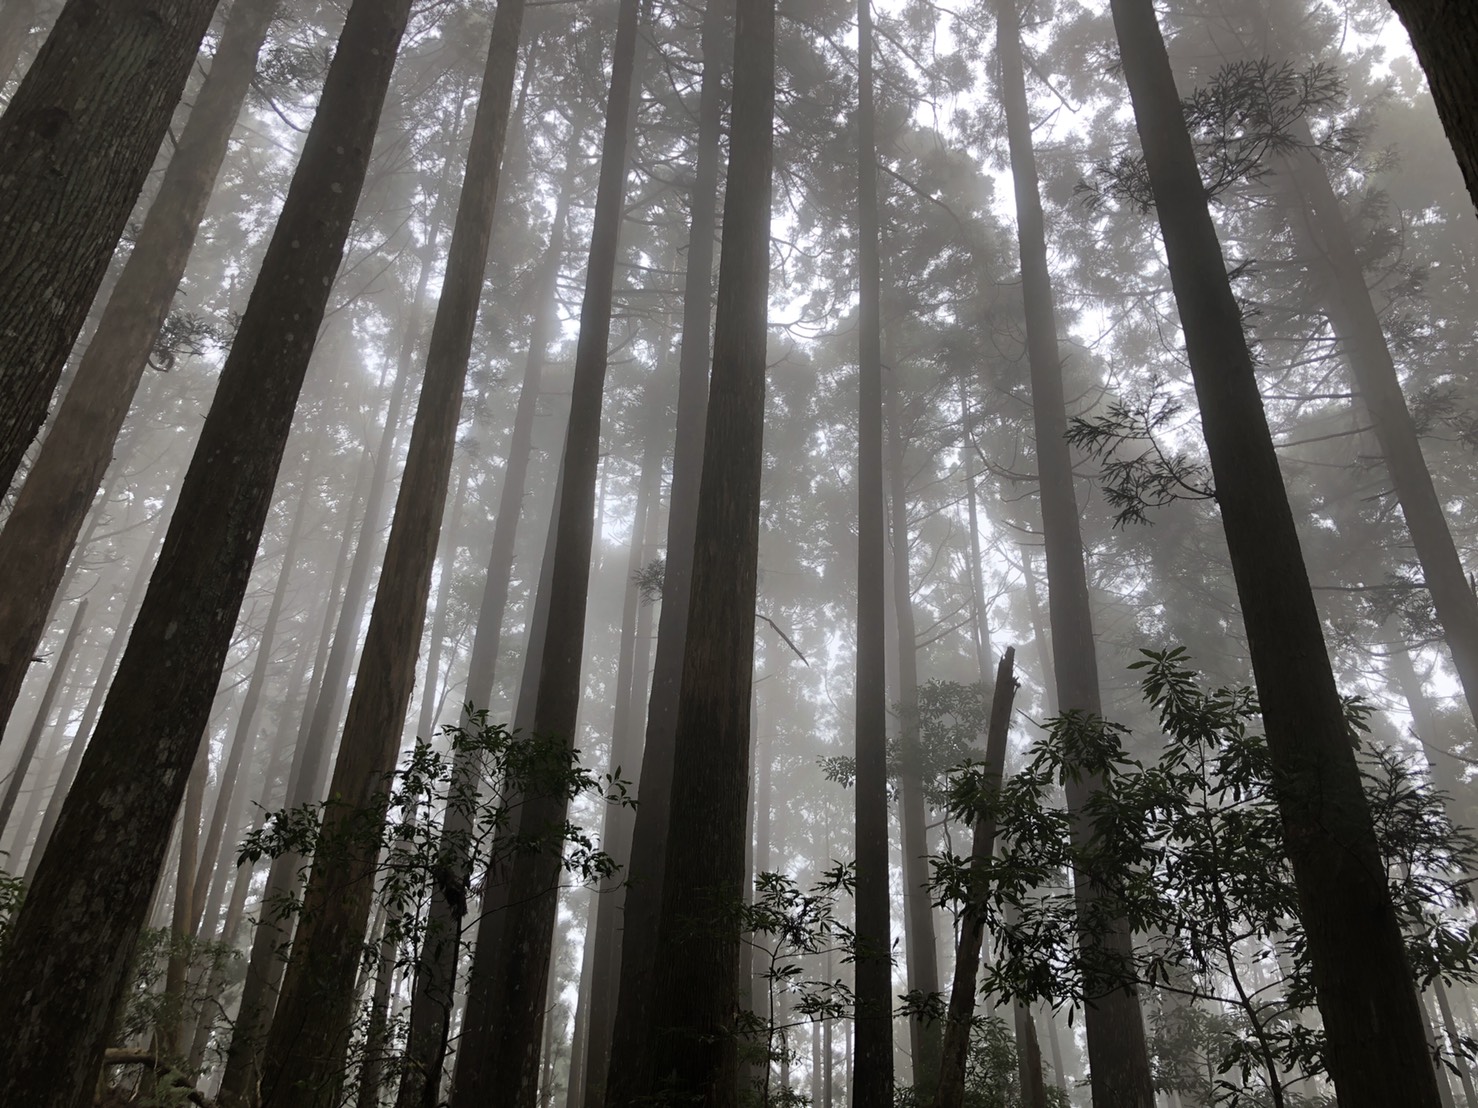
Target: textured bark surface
x=690, y=1042
x=873, y=1078
x=41, y=531
x=1118, y=1056
x=76, y=142
x=1445, y=37
x=65, y=966
x=315, y=1013
x=504, y=1023
x=1376, y=1051
x=649, y=832
x=956, y=1050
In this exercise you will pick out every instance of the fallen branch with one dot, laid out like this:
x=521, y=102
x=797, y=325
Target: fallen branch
x=121, y=1057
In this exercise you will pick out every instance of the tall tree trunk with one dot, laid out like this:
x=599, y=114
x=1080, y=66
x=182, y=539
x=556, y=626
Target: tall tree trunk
x=169, y=1033
x=264, y=962
x=97, y=101
x=926, y=1035
x=505, y=1010
x=649, y=831
x=1029, y=1059
x=41, y=530
x=961, y=1017
x=434, y=989
x=1376, y=1049
x=100, y=686
x=65, y=966
x=1319, y=223
x=243, y=735
x=1119, y=1057
x=38, y=725
x=1445, y=39
x=315, y=1011
x=376, y=1038
x=690, y=1041
x=873, y=967
x=434, y=690
x=626, y=730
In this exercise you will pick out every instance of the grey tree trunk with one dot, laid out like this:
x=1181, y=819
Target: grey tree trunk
x=873, y=974
x=65, y=966
x=96, y=100
x=1376, y=1048
x=1118, y=1055
x=1445, y=38
x=690, y=1042
x=17, y=17
x=504, y=1022
x=315, y=1012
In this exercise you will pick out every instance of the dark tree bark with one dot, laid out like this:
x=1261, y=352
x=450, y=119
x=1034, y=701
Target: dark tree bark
x=690, y=1041
x=38, y=725
x=76, y=142
x=1444, y=35
x=65, y=966
x=41, y=531
x=1376, y=1048
x=434, y=990
x=649, y=831
x=961, y=1017
x=504, y=1022
x=315, y=1011
x=1118, y=1055
x=873, y=972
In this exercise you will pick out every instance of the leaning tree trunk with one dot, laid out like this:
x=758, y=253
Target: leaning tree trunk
x=41, y=530
x=504, y=1023
x=1445, y=37
x=315, y=1011
x=76, y=143
x=691, y=1042
x=956, y=1052
x=64, y=968
x=1319, y=223
x=1376, y=1047
x=873, y=968
x=1118, y=1055
x=434, y=992
x=649, y=830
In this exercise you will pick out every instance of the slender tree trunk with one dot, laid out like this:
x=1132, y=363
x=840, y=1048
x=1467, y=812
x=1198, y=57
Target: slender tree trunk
x=168, y=1036
x=1029, y=1059
x=873, y=965
x=690, y=1042
x=243, y=735
x=961, y=1017
x=1319, y=223
x=41, y=530
x=580, y=1031
x=649, y=831
x=1119, y=1057
x=1449, y=1025
x=376, y=1039
x=264, y=963
x=64, y=968
x=626, y=730
x=50, y=771
x=315, y=1011
x=1445, y=39
x=1376, y=1050
x=434, y=989
x=17, y=17
x=96, y=100
x=100, y=687
x=926, y=1035
x=38, y=725
x=505, y=1011
x=433, y=692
